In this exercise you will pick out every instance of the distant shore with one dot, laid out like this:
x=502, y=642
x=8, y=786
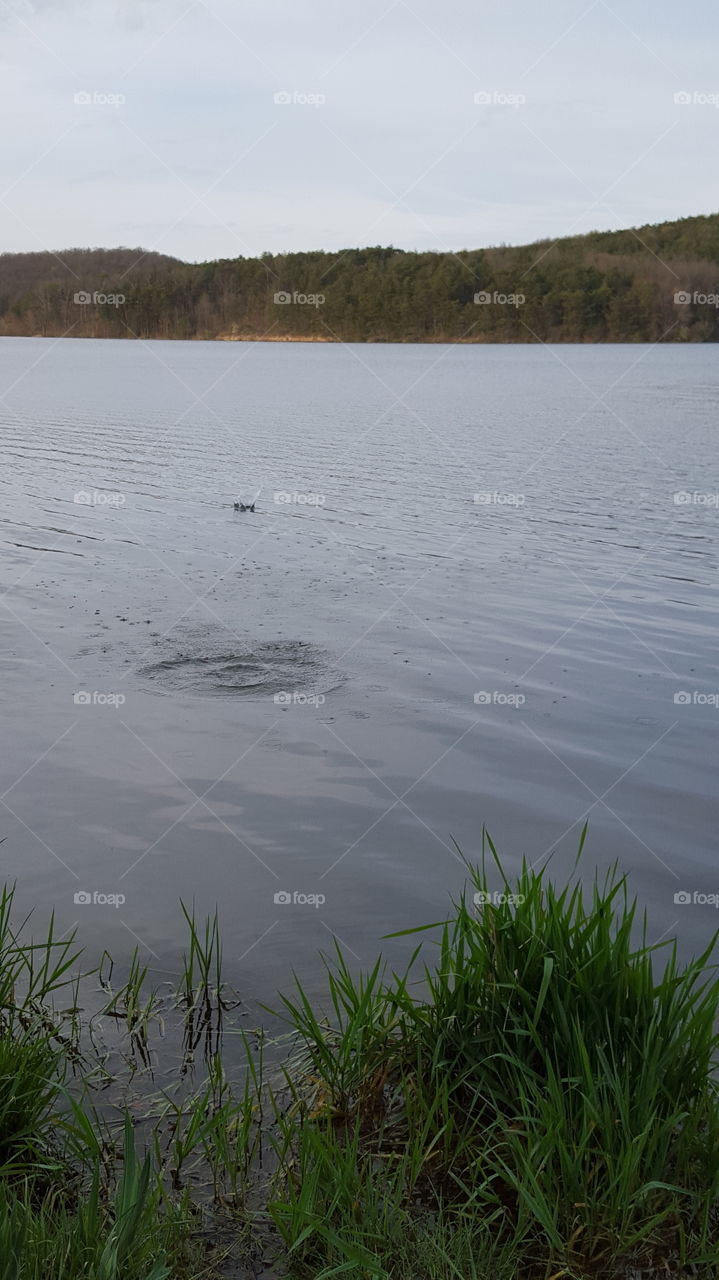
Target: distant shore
x=653, y=284
x=268, y=337
x=485, y=340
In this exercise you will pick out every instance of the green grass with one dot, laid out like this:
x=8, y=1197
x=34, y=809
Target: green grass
x=552, y=1075
x=77, y=1202
x=533, y=1098
x=28, y=1088
x=86, y=1235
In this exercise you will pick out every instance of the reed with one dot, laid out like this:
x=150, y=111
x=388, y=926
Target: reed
x=533, y=1097
x=549, y=1086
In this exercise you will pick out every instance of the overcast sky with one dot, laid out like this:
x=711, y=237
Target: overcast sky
x=184, y=149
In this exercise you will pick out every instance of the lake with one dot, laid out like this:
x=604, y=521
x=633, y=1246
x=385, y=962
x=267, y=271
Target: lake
x=479, y=587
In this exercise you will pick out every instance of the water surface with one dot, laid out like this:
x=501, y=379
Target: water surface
x=284, y=702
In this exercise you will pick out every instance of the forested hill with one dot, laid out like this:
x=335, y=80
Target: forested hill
x=653, y=283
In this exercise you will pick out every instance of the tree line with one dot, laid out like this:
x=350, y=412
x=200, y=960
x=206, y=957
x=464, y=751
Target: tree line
x=650, y=284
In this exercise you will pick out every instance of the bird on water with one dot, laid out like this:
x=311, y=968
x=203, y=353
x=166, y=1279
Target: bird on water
x=239, y=505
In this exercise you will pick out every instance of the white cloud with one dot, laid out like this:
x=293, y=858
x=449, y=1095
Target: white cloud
x=198, y=83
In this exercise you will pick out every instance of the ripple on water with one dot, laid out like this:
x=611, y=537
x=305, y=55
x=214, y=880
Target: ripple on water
x=208, y=667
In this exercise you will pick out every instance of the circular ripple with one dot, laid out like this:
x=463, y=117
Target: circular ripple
x=214, y=669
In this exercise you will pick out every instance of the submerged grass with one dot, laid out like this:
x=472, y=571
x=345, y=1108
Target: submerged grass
x=538, y=1101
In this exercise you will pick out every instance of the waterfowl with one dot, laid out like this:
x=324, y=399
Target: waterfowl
x=244, y=506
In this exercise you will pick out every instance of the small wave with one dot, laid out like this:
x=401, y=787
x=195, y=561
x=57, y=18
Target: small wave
x=59, y=551
x=208, y=668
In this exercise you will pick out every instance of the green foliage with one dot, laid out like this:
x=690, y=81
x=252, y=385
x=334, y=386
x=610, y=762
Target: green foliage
x=88, y=1239
x=28, y=1087
x=613, y=286
x=75, y=1205
x=538, y=1101
x=546, y=1090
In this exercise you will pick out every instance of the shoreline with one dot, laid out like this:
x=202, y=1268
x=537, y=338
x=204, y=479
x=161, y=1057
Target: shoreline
x=360, y=1135
x=438, y=341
